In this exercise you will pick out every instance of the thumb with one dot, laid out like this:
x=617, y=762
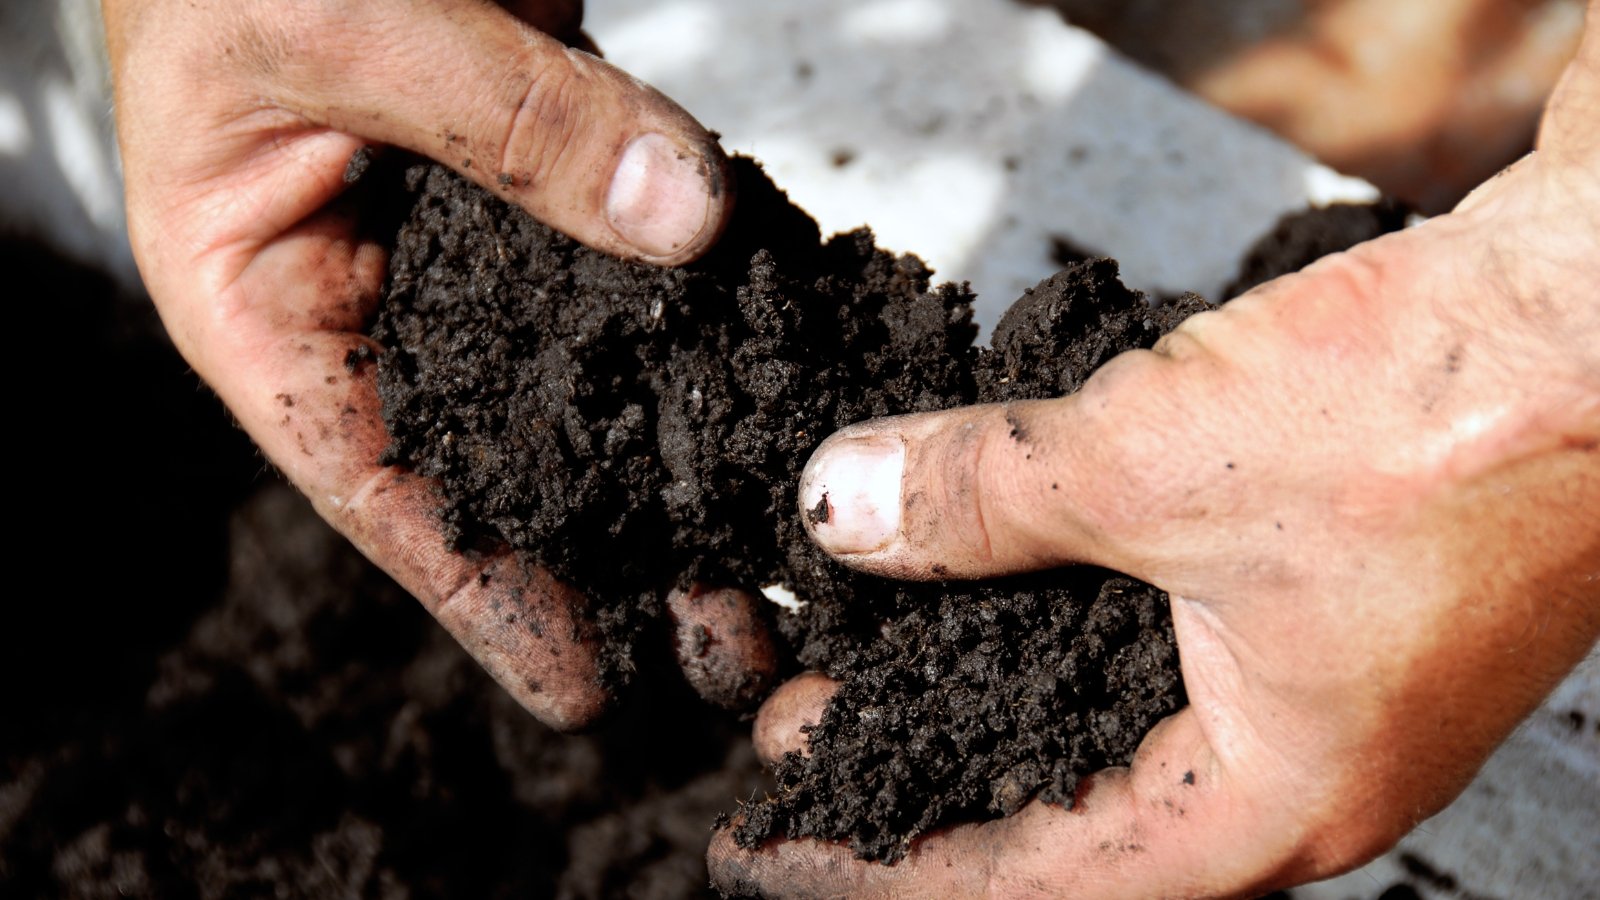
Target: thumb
x=962, y=494
x=579, y=144
x=966, y=493
x=1002, y=488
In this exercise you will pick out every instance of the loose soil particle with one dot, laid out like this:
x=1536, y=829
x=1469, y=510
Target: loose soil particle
x=571, y=404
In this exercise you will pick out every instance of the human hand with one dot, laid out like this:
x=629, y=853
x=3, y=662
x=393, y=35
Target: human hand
x=1373, y=492
x=237, y=121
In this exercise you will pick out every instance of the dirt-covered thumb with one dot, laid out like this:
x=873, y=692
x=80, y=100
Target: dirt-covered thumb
x=582, y=146
x=966, y=493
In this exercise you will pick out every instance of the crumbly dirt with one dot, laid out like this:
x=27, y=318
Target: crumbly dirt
x=1301, y=238
x=315, y=736
x=571, y=404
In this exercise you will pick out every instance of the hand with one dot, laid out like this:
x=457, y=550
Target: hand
x=237, y=120
x=1373, y=491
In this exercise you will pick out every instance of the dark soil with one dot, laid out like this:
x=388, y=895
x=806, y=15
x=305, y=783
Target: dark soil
x=1300, y=239
x=571, y=404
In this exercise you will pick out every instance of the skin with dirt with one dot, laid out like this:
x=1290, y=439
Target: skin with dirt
x=639, y=429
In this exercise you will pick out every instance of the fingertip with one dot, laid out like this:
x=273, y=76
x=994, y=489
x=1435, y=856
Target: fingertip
x=580, y=145
x=850, y=491
x=570, y=712
x=734, y=871
x=530, y=633
x=807, y=868
x=723, y=645
x=797, y=703
x=668, y=197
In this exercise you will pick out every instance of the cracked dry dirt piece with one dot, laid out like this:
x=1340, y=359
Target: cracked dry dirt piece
x=640, y=428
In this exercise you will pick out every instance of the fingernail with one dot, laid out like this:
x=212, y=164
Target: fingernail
x=850, y=494
x=660, y=198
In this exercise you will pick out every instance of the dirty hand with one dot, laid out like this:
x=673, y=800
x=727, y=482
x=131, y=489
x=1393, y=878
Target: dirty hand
x=1373, y=492
x=237, y=121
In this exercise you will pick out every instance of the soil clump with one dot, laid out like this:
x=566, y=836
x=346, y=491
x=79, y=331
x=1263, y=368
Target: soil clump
x=571, y=404
x=1299, y=239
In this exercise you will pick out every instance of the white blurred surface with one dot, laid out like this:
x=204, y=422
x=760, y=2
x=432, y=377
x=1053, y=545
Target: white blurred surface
x=973, y=133
x=58, y=160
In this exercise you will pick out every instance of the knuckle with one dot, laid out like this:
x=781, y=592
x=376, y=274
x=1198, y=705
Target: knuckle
x=545, y=122
x=944, y=500
x=1011, y=470
x=1188, y=340
x=1131, y=464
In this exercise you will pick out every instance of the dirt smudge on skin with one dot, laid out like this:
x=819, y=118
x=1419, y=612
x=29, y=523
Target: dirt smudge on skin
x=1019, y=429
x=819, y=514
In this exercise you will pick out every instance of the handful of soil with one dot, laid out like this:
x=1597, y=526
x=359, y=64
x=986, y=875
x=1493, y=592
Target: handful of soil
x=574, y=406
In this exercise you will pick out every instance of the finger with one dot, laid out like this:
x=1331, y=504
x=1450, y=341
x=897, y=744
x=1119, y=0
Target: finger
x=1158, y=467
x=797, y=703
x=722, y=644
x=994, y=489
x=287, y=358
x=582, y=146
x=1174, y=824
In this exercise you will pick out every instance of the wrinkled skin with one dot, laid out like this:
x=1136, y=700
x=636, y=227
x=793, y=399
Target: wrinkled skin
x=236, y=121
x=1373, y=490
